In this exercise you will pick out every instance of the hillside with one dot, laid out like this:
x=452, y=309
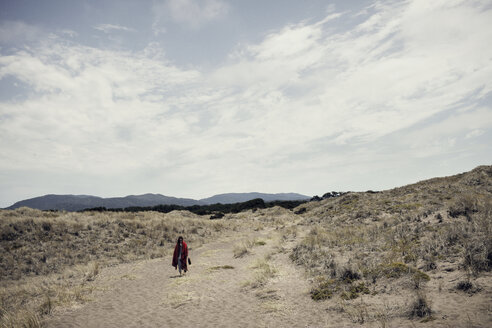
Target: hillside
x=244, y=197
x=415, y=256
x=73, y=203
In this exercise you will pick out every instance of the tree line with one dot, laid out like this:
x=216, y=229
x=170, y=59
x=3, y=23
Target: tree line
x=216, y=211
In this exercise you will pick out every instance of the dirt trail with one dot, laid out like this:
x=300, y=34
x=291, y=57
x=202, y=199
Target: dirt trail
x=152, y=294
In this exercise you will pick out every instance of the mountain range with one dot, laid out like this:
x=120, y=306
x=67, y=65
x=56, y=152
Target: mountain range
x=80, y=202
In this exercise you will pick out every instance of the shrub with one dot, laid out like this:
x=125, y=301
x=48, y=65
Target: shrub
x=259, y=243
x=348, y=276
x=395, y=270
x=468, y=287
x=477, y=255
x=465, y=205
x=419, y=277
x=421, y=306
x=354, y=291
x=464, y=285
x=324, y=290
x=217, y=216
x=301, y=210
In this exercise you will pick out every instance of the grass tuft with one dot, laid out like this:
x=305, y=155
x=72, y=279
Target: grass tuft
x=240, y=250
x=221, y=267
x=263, y=272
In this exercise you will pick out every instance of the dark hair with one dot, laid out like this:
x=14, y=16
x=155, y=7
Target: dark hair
x=180, y=237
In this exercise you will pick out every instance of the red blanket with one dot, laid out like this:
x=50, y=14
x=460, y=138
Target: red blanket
x=184, y=256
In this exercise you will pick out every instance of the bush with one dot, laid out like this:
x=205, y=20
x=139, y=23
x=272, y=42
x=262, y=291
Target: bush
x=348, y=276
x=466, y=205
x=419, y=277
x=421, y=307
x=324, y=290
x=478, y=255
x=464, y=285
x=217, y=216
x=355, y=291
x=301, y=210
x=395, y=270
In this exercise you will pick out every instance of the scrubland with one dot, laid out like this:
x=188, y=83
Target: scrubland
x=415, y=255
x=49, y=258
x=409, y=252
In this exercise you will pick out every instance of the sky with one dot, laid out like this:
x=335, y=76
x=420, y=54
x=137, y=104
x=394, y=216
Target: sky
x=193, y=98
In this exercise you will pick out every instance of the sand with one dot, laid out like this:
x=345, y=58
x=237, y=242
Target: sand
x=151, y=293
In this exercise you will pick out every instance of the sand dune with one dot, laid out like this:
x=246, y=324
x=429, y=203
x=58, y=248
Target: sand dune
x=221, y=290
x=152, y=294
x=415, y=256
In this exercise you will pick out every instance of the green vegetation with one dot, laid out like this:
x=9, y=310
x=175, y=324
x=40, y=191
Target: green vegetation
x=347, y=288
x=324, y=290
x=216, y=210
x=354, y=291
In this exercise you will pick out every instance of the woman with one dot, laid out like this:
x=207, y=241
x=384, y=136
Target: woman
x=180, y=255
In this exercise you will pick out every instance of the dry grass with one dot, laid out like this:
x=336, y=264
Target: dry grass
x=220, y=267
x=240, y=250
x=263, y=272
x=360, y=243
x=37, y=243
x=25, y=301
x=178, y=299
x=357, y=248
x=271, y=306
x=245, y=247
x=22, y=319
x=50, y=259
x=267, y=294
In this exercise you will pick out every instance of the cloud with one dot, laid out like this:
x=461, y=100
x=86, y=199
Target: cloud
x=309, y=107
x=474, y=133
x=69, y=33
x=385, y=74
x=108, y=28
x=190, y=13
x=90, y=108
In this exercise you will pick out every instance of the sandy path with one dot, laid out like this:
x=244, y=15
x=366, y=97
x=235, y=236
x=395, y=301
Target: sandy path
x=151, y=294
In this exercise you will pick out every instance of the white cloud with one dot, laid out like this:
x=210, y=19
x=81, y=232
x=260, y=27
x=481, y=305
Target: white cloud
x=306, y=106
x=69, y=33
x=108, y=28
x=384, y=75
x=190, y=13
x=91, y=108
x=474, y=133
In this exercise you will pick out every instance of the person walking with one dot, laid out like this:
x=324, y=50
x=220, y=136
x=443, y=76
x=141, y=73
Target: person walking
x=180, y=255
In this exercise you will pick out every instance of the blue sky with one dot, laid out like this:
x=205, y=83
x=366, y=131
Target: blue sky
x=192, y=98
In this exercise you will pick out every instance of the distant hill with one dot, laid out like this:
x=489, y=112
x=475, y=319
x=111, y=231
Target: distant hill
x=244, y=197
x=80, y=202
